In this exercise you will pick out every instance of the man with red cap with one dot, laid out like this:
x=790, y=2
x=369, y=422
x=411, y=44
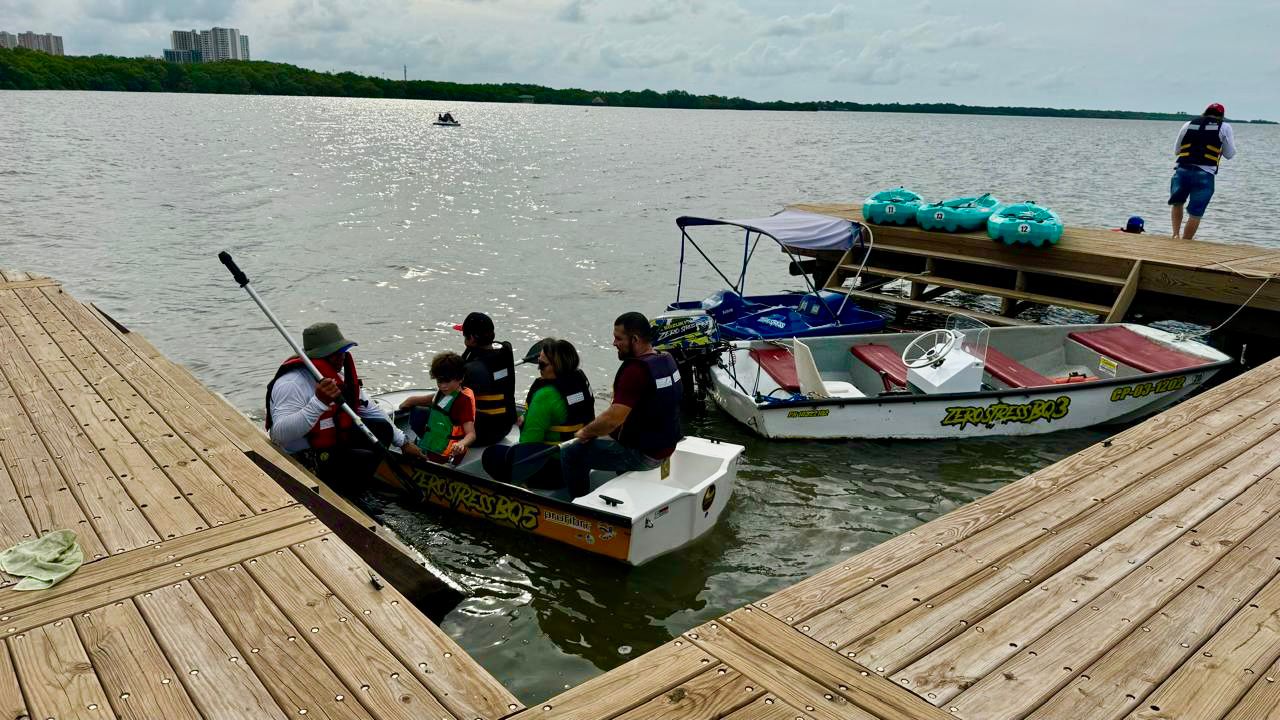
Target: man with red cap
x=1202, y=144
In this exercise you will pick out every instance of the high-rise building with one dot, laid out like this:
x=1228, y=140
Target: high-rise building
x=48, y=42
x=193, y=46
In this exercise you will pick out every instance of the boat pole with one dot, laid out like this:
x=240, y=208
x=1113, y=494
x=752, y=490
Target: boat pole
x=243, y=281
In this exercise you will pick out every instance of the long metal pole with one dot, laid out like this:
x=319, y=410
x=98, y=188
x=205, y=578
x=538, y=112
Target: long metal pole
x=243, y=281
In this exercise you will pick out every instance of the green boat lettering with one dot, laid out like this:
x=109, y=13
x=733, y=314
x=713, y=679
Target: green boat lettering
x=962, y=416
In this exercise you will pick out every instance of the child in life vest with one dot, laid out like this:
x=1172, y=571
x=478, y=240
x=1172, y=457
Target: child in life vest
x=445, y=421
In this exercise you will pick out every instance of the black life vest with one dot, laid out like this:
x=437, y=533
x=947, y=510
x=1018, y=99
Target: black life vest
x=491, y=375
x=653, y=425
x=1202, y=143
x=576, y=391
x=333, y=428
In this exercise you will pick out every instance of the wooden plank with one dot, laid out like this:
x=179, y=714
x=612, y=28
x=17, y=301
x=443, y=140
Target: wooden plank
x=1125, y=299
x=1043, y=583
x=822, y=701
x=279, y=653
x=203, y=488
x=13, y=275
x=990, y=319
x=163, y=504
x=1218, y=676
x=1009, y=293
x=131, y=666
x=630, y=686
x=467, y=689
x=769, y=707
x=843, y=580
x=1263, y=699
x=56, y=676
x=714, y=694
x=34, y=282
x=1030, y=678
x=45, y=496
x=15, y=526
x=113, y=514
x=223, y=686
x=1109, y=688
x=869, y=691
x=338, y=636
x=118, y=588
x=12, y=705
x=1183, y=424
x=1084, y=503
x=259, y=492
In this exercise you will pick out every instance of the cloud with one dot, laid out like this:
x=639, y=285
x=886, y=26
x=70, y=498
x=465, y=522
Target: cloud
x=957, y=72
x=659, y=11
x=134, y=11
x=970, y=37
x=810, y=24
x=322, y=16
x=763, y=59
x=573, y=11
x=878, y=63
x=631, y=56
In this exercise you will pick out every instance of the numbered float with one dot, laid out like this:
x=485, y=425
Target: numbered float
x=965, y=380
x=892, y=207
x=1026, y=223
x=962, y=214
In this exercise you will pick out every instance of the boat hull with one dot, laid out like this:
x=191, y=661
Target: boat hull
x=1026, y=412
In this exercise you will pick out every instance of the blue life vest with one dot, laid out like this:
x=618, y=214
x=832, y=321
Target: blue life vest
x=653, y=426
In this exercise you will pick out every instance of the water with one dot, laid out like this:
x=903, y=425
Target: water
x=553, y=220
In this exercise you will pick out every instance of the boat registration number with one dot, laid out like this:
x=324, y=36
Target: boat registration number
x=1141, y=390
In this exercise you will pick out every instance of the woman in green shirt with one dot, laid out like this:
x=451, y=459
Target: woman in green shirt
x=559, y=403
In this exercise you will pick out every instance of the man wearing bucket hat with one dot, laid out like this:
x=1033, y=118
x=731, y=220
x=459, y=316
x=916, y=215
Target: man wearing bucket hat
x=304, y=419
x=1202, y=144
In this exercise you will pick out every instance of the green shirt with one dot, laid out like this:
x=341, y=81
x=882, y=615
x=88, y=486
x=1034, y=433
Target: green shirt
x=546, y=408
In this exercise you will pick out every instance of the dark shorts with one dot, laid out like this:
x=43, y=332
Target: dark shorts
x=1194, y=184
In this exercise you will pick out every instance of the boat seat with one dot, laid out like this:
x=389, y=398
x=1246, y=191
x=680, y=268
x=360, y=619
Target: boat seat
x=811, y=383
x=1013, y=373
x=1126, y=346
x=780, y=366
x=884, y=360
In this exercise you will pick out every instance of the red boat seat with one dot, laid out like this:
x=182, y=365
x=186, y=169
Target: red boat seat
x=884, y=360
x=780, y=365
x=1013, y=373
x=1124, y=345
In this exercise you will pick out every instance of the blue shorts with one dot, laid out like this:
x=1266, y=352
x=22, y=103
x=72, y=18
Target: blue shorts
x=1194, y=183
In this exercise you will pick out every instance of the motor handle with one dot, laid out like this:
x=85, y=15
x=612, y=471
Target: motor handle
x=236, y=272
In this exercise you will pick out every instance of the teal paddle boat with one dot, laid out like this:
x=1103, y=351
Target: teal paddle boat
x=1026, y=223
x=962, y=214
x=897, y=207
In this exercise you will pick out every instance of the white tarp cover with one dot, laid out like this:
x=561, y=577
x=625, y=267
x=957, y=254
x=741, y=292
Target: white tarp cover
x=794, y=228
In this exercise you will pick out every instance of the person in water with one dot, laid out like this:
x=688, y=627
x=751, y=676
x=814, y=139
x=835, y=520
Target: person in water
x=641, y=428
x=1134, y=224
x=445, y=420
x=559, y=404
x=303, y=417
x=491, y=375
x=1202, y=144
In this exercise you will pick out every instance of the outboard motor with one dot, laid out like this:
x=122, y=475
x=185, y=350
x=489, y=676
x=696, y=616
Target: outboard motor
x=693, y=339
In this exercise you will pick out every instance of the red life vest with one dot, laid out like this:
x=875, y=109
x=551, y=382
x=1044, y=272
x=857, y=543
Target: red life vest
x=334, y=428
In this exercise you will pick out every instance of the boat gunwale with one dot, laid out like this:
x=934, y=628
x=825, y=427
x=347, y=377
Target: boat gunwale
x=1002, y=393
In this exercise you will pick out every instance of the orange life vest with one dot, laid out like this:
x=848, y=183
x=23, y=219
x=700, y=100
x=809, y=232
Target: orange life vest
x=333, y=428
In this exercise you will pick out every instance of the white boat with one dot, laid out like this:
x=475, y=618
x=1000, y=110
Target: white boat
x=965, y=380
x=633, y=517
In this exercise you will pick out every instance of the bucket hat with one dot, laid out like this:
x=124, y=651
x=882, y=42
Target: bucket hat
x=324, y=339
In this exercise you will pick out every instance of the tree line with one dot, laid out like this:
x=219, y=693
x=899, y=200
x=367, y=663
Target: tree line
x=23, y=69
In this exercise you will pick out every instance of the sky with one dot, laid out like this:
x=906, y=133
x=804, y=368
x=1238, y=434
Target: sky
x=1172, y=55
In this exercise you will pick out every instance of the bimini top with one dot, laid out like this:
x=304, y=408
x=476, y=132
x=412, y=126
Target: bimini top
x=793, y=228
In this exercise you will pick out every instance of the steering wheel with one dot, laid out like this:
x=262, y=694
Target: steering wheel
x=938, y=342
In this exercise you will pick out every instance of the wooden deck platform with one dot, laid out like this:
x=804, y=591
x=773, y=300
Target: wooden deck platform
x=1110, y=274
x=1139, y=578
x=209, y=590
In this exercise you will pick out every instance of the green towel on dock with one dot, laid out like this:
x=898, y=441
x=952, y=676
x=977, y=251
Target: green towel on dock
x=43, y=562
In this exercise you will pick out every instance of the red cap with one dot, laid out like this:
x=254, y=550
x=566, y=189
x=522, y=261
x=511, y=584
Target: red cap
x=1215, y=109
x=458, y=328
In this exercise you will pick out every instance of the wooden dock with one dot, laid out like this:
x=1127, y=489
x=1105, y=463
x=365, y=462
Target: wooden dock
x=220, y=580
x=1114, y=275
x=1139, y=578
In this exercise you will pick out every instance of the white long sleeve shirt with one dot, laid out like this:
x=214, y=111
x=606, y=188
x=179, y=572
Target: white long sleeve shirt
x=295, y=409
x=1225, y=134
